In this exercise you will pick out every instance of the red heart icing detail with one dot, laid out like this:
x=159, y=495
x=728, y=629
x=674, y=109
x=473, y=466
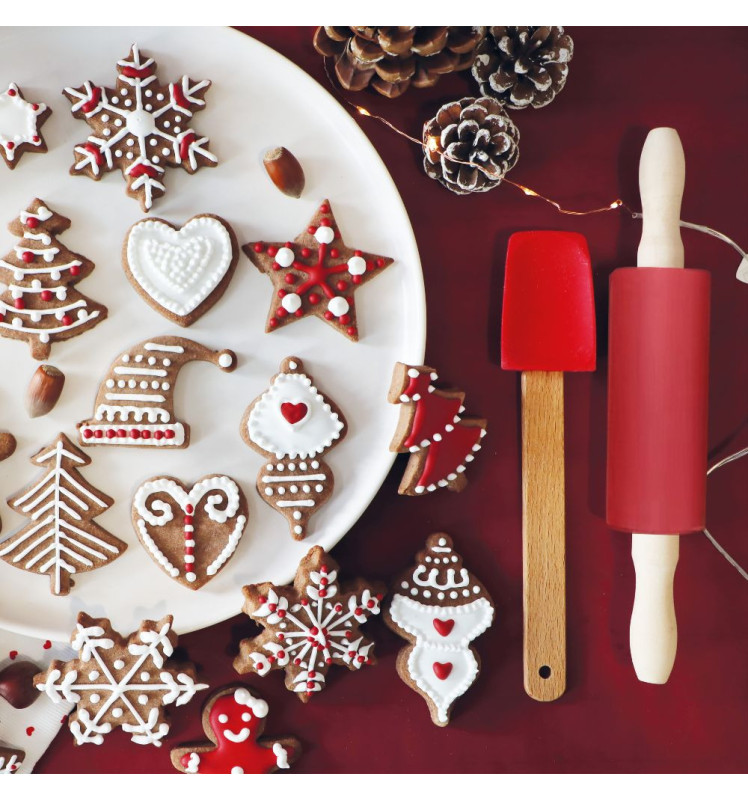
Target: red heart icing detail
x=294, y=412
x=29, y=731
x=442, y=670
x=64, y=720
x=47, y=645
x=444, y=626
x=13, y=655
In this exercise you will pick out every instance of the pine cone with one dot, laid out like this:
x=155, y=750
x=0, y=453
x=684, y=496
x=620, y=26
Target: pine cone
x=470, y=145
x=523, y=66
x=392, y=58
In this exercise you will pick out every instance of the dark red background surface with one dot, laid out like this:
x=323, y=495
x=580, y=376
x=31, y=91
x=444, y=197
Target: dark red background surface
x=583, y=151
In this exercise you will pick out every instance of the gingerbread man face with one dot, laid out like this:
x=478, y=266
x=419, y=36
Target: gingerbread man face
x=233, y=720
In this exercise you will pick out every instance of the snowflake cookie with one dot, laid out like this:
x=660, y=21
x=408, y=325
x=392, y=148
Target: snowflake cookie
x=233, y=720
x=309, y=626
x=315, y=275
x=118, y=682
x=140, y=127
x=20, y=126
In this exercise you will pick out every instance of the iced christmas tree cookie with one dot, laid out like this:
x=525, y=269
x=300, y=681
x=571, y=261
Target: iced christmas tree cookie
x=190, y=533
x=309, y=626
x=135, y=402
x=41, y=304
x=61, y=538
x=233, y=720
x=294, y=426
x=140, y=127
x=120, y=682
x=181, y=272
x=433, y=429
x=315, y=275
x=439, y=607
x=20, y=126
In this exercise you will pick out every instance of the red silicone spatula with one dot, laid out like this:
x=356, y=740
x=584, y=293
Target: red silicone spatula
x=548, y=328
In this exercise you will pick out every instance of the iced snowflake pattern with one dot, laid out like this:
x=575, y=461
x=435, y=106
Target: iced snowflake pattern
x=140, y=127
x=120, y=683
x=310, y=626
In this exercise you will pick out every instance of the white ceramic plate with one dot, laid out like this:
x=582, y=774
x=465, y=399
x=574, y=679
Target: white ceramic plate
x=258, y=100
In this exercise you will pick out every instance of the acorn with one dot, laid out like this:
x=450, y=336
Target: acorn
x=17, y=683
x=285, y=171
x=44, y=390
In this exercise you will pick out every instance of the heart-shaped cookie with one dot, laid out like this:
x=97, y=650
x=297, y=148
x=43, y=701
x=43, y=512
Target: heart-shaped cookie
x=190, y=533
x=181, y=272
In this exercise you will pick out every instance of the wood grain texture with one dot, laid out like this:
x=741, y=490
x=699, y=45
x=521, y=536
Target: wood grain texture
x=543, y=534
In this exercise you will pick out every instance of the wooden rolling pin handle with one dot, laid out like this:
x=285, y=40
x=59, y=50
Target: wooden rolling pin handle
x=543, y=534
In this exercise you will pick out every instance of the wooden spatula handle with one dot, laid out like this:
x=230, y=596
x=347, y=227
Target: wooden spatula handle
x=543, y=539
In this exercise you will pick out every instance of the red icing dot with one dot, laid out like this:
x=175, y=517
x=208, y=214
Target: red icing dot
x=324, y=209
x=312, y=673
x=369, y=265
x=169, y=434
x=145, y=435
x=329, y=315
x=188, y=520
x=280, y=636
x=299, y=312
x=273, y=323
x=272, y=250
x=18, y=303
x=304, y=601
x=345, y=319
x=258, y=247
x=348, y=634
x=361, y=659
x=32, y=222
x=351, y=653
x=282, y=293
x=290, y=278
x=110, y=434
x=35, y=106
x=47, y=645
x=370, y=604
x=359, y=612
x=87, y=433
x=46, y=295
x=189, y=568
x=356, y=279
x=288, y=245
x=281, y=613
x=311, y=229
x=381, y=262
x=135, y=433
x=11, y=92
x=27, y=256
x=323, y=581
x=35, y=139
x=262, y=600
x=67, y=320
x=314, y=298
x=75, y=270
x=315, y=630
x=358, y=253
x=281, y=312
x=334, y=252
x=323, y=592
x=305, y=252
x=379, y=596
x=323, y=569
x=351, y=331
x=341, y=286
x=98, y=434
x=271, y=659
x=338, y=608
x=9, y=145
x=325, y=221
x=310, y=684
x=281, y=654
x=272, y=607
x=328, y=660
x=30, y=730
x=189, y=509
x=158, y=435
x=276, y=266
x=122, y=433
x=297, y=661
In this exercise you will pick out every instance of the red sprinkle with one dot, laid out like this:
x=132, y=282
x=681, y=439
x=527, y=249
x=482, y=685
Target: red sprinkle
x=135, y=433
x=345, y=319
x=282, y=293
x=11, y=92
x=334, y=252
x=381, y=262
x=341, y=286
x=329, y=315
x=299, y=312
x=169, y=434
x=324, y=209
x=67, y=320
x=87, y=433
x=158, y=435
x=290, y=278
x=98, y=434
x=305, y=252
x=75, y=270
x=110, y=434
x=145, y=435
x=18, y=303
x=314, y=298
x=122, y=433
x=281, y=312
x=46, y=295
x=351, y=331
x=272, y=250
x=189, y=509
x=10, y=145
x=273, y=323
x=311, y=229
x=356, y=279
x=258, y=247
x=32, y=222
x=27, y=257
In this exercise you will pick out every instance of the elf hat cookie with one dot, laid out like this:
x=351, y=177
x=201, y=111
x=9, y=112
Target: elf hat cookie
x=135, y=402
x=439, y=607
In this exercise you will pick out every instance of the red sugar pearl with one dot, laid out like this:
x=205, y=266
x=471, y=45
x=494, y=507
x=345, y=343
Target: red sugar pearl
x=35, y=106
x=276, y=266
x=67, y=320
x=356, y=279
x=324, y=221
x=304, y=601
x=158, y=435
x=122, y=433
x=98, y=434
x=297, y=661
x=272, y=250
x=46, y=295
x=324, y=209
x=341, y=286
x=323, y=592
x=27, y=256
x=305, y=252
x=281, y=312
x=11, y=92
x=334, y=252
x=32, y=222
x=280, y=637
x=75, y=270
x=323, y=569
x=351, y=331
x=370, y=604
x=87, y=433
x=135, y=433
x=290, y=278
x=110, y=434
x=35, y=139
x=189, y=509
x=188, y=519
x=145, y=435
x=328, y=660
x=312, y=673
x=282, y=293
x=361, y=659
x=329, y=315
x=262, y=600
x=345, y=319
x=169, y=434
x=358, y=253
x=299, y=312
x=310, y=684
x=281, y=613
x=381, y=262
x=314, y=298
x=9, y=145
x=258, y=247
x=273, y=323
x=18, y=303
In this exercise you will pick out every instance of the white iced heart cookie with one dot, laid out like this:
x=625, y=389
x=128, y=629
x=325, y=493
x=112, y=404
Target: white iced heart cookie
x=181, y=272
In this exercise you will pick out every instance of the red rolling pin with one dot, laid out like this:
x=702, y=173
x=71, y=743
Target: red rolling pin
x=657, y=404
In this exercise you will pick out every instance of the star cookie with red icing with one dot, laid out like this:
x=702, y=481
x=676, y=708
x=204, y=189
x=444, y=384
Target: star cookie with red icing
x=233, y=719
x=315, y=275
x=20, y=125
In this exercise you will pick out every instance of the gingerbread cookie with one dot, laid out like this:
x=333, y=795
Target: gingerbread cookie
x=20, y=126
x=135, y=402
x=433, y=429
x=181, y=272
x=293, y=425
x=233, y=720
x=140, y=127
x=190, y=534
x=7, y=445
x=61, y=539
x=309, y=626
x=315, y=275
x=40, y=305
x=118, y=682
x=439, y=608
x=10, y=760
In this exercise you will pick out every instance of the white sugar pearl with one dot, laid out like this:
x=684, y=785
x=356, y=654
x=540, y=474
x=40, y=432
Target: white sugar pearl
x=356, y=265
x=284, y=256
x=291, y=302
x=338, y=306
x=324, y=234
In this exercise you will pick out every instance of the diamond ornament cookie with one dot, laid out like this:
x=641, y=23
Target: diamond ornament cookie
x=181, y=272
x=140, y=127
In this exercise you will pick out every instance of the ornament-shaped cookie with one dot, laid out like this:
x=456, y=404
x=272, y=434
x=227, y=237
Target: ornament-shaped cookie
x=439, y=608
x=233, y=720
x=190, y=533
x=120, y=682
x=135, y=402
x=20, y=126
x=309, y=626
x=294, y=426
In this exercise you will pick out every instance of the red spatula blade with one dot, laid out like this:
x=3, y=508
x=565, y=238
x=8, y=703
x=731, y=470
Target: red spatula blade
x=548, y=321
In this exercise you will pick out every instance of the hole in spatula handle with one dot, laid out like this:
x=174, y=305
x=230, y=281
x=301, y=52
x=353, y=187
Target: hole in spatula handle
x=545, y=672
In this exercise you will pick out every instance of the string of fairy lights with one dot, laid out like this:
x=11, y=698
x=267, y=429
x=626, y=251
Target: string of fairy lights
x=433, y=144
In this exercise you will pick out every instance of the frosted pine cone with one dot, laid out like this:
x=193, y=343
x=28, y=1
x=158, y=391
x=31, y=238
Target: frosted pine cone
x=523, y=66
x=392, y=58
x=470, y=145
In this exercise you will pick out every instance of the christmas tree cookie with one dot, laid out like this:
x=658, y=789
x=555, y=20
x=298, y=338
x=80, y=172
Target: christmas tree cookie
x=40, y=304
x=294, y=426
x=140, y=127
x=439, y=607
x=61, y=538
x=315, y=275
x=433, y=430
x=233, y=720
x=20, y=126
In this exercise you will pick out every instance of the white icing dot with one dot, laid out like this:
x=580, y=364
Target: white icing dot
x=356, y=265
x=291, y=302
x=143, y=384
x=338, y=306
x=284, y=257
x=151, y=360
x=115, y=100
x=166, y=362
x=128, y=102
x=165, y=151
x=142, y=699
x=148, y=92
x=123, y=92
x=237, y=771
x=315, y=464
x=155, y=159
x=125, y=358
x=159, y=96
x=177, y=129
x=107, y=131
x=466, y=592
x=298, y=529
x=302, y=465
x=291, y=467
x=413, y=373
x=93, y=675
x=118, y=153
x=121, y=384
x=94, y=698
x=145, y=676
x=177, y=118
x=324, y=234
x=246, y=717
x=297, y=514
x=293, y=365
x=117, y=713
x=281, y=490
x=132, y=384
x=414, y=591
x=225, y=360
x=455, y=559
x=442, y=542
x=268, y=491
x=437, y=561
x=118, y=122
x=129, y=154
x=130, y=142
x=426, y=593
x=224, y=718
x=319, y=488
x=270, y=468
x=428, y=558
x=166, y=386
x=476, y=589
x=166, y=123
x=404, y=584
x=149, y=107
x=441, y=595
x=104, y=117
x=453, y=595
x=152, y=142
x=155, y=384
x=306, y=488
x=118, y=664
x=191, y=577
x=294, y=488
x=281, y=467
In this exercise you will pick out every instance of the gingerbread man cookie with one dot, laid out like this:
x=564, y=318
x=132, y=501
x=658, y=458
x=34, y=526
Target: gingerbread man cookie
x=233, y=720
